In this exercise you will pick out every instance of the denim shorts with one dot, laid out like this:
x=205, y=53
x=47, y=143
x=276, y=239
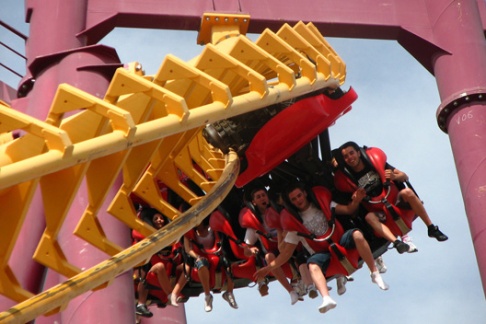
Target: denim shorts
x=322, y=259
x=203, y=262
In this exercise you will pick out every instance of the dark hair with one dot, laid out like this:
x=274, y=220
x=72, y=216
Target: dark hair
x=287, y=203
x=338, y=153
x=347, y=144
x=255, y=189
x=147, y=215
x=292, y=186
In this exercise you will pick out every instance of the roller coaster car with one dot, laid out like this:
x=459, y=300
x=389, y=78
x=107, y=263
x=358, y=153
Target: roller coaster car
x=343, y=261
x=266, y=137
x=398, y=219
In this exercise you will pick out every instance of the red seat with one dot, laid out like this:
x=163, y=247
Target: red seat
x=245, y=266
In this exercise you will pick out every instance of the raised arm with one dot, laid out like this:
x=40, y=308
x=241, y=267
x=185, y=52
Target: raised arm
x=352, y=207
x=396, y=175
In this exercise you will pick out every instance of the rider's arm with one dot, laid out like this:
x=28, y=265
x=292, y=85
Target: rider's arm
x=280, y=239
x=189, y=249
x=396, y=175
x=283, y=257
x=352, y=207
x=250, y=239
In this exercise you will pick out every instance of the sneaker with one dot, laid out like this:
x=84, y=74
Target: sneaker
x=434, y=231
x=300, y=288
x=400, y=246
x=263, y=288
x=172, y=300
x=294, y=297
x=182, y=299
x=380, y=264
x=312, y=291
x=230, y=298
x=377, y=279
x=142, y=310
x=341, y=285
x=327, y=304
x=407, y=239
x=208, y=303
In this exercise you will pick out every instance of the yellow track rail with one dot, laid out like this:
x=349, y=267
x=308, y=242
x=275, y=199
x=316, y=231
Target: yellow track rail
x=146, y=129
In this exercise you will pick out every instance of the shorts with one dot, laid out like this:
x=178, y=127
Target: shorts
x=301, y=257
x=322, y=259
x=202, y=262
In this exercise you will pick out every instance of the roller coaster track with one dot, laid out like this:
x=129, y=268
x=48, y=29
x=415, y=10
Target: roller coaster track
x=146, y=130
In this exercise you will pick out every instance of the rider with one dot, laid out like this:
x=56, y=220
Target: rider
x=368, y=177
x=158, y=265
x=197, y=243
x=257, y=228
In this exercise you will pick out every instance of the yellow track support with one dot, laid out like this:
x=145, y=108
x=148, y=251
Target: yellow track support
x=146, y=130
x=58, y=296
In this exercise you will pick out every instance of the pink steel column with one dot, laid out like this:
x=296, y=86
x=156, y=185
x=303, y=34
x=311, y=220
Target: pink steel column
x=461, y=79
x=56, y=55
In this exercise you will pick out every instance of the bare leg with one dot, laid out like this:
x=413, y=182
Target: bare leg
x=181, y=282
x=364, y=250
x=160, y=271
x=279, y=273
x=380, y=229
x=408, y=196
x=305, y=274
x=141, y=290
x=230, y=285
x=203, y=274
x=318, y=279
x=142, y=293
x=141, y=308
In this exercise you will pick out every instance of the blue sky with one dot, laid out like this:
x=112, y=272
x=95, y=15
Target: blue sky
x=395, y=111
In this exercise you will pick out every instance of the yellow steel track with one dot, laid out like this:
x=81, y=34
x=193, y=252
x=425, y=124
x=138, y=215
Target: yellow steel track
x=146, y=129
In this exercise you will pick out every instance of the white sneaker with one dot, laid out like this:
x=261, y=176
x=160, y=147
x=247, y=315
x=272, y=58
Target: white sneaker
x=327, y=304
x=377, y=279
x=341, y=285
x=407, y=239
x=230, y=298
x=300, y=288
x=380, y=264
x=208, y=303
x=312, y=291
x=172, y=300
x=294, y=297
